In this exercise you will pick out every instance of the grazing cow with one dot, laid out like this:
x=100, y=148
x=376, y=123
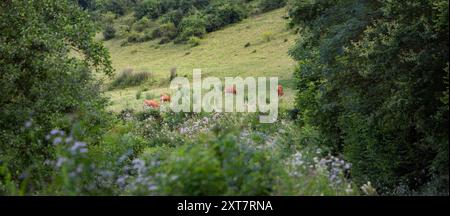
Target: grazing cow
x=152, y=104
x=231, y=90
x=280, y=91
x=165, y=98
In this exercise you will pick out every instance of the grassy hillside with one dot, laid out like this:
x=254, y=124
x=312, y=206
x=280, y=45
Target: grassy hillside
x=222, y=53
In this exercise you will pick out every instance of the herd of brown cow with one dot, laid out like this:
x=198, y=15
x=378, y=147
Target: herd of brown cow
x=165, y=98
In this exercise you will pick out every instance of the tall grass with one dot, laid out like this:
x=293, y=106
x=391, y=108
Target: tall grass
x=128, y=78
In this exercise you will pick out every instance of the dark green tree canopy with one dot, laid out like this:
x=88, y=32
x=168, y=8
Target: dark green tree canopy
x=372, y=76
x=47, y=53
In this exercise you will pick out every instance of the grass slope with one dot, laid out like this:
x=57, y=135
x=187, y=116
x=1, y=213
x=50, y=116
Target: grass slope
x=221, y=54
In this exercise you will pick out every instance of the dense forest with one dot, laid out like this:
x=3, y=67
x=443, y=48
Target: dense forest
x=369, y=113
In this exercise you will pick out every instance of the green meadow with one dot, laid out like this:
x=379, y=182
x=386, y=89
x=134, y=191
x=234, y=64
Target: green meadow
x=221, y=54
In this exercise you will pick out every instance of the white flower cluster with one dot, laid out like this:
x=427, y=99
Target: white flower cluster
x=195, y=126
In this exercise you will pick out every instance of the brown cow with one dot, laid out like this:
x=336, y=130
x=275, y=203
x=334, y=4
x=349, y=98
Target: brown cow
x=165, y=98
x=280, y=91
x=152, y=104
x=231, y=90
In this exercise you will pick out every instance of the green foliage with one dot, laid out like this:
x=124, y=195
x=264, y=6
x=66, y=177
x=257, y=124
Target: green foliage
x=142, y=24
x=135, y=37
x=144, y=155
x=166, y=30
x=109, y=32
x=222, y=13
x=118, y=7
x=114, y=7
x=190, y=18
x=190, y=26
x=151, y=9
x=194, y=41
x=107, y=19
x=41, y=80
x=129, y=78
x=224, y=161
x=150, y=96
x=371, y=77
x=268, y=5
x=174, y=16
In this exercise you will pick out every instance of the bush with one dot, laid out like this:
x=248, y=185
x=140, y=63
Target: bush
x=222, y=161
x=193, y=25
x=223, y=13
x=194, y=41
x=268, y=5
x=167, y=31
x=123, y=30
x=135, y=37
x=142, y=24
x=147, y=36
x=129, y=78
x=149, y=8
x=116, y=6
x=108, y=18
x=109, y=32
x=173, y=16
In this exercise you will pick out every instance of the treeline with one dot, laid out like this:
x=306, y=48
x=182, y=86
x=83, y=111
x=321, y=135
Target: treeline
x=373, y=78
x=173, y=20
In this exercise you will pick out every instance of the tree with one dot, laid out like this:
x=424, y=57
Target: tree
x=193, y=25
x=109, y=32
x=222, y=13
x=47, y=56
x=372, y=75
x=268, y=5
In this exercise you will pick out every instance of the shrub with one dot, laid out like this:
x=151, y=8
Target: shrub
x=194, y=41
x=193, y=25
x=149, y=8
x=142, y=24
x=116, y=6
x=108, y=18
x=129, y=78
x=223, y=13
x=268, y=5
x=123, y=30
x=168, y=30
x=147, y=36
x=173, y=16
x=135, y=37
x=186, y=6
x=164, y=41
x=222, y=161
x=109, y=32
